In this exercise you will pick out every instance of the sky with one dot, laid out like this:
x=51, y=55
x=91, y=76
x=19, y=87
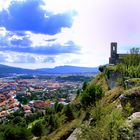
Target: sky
x=48, y=33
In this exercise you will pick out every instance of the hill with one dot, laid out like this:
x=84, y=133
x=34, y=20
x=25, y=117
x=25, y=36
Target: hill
x=7, y=70
x=4, y=69
x=69, y=69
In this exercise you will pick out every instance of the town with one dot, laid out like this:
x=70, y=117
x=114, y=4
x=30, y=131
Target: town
x=31, y=94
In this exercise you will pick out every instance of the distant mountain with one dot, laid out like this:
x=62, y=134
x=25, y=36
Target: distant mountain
x=69, y=70
x=11, y=70
x=7, y=70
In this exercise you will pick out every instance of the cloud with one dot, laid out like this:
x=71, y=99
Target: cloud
x=24, y=58
x=49, y=59
x=2, y=58
x=37, y=44
x=10, y=57
x=29, y=16
x=55, y=49
x=21, y=42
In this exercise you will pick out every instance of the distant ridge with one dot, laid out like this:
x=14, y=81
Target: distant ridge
x=4, y=69
x=9, y=69
x=69, y=69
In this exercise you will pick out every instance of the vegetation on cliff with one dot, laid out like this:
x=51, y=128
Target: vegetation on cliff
x=108, y=116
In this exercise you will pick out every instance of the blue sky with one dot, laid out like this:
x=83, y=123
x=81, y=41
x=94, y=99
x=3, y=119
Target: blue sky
x=49, y=33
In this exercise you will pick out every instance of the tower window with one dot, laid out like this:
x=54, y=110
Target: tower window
x=114, y=48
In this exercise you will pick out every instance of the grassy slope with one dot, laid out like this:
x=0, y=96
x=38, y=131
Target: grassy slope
x=110, y=96
x=65, y=130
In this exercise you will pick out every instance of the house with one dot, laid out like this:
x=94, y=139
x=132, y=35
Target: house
x=27, y=113
x=40, y=104
x=2, y=97
x=26, y=107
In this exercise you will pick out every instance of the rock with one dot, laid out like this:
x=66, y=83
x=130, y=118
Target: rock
x=113, y=78
x=131, y=96
x=132, y=82
x=134, y=123
x=73, y=136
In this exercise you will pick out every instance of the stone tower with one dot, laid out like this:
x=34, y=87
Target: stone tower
x=113, y=49
x=113, y=57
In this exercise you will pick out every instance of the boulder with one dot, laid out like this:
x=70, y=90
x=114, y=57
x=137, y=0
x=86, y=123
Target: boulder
x=131, y=96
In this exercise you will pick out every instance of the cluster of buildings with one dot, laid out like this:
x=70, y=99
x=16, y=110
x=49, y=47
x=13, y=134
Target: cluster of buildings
x=10, y=89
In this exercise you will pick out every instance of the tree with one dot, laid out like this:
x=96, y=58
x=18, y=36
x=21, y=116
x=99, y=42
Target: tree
x=16, y=133
x=68, y=112
x=53, y=122
x=132, y=58
x=19, y=121
x=49, y=111
x=58, y=107
x=37, y=129
x=85, y=84
x=92, y=94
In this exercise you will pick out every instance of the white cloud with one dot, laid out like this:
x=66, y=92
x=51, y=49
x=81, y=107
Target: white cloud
x=2, y=31
x=98, y=23
x=59, y=6
x=4, y=4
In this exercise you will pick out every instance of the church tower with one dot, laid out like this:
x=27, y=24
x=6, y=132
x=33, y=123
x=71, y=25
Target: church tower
x=113, y=49
x=113, y=57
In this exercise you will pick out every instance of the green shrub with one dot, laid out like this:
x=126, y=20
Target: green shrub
x=92, y=94
x=16, y=133
x=105, y=125
x=37, y=129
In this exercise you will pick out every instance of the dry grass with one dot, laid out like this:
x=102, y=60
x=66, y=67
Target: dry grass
x=113, y=94
x=134, y=80
x=133, y=92
x=100, y=80
x=65, y=130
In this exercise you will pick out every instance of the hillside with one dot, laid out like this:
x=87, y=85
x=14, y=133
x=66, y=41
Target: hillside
x=69, y=69
x=57, y=70
x=116, y=114
x=106, y=108
x=110, y=104
x=9, y=69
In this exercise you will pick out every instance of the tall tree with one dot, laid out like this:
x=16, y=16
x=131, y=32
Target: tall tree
x=37, y=129
x=133, y=57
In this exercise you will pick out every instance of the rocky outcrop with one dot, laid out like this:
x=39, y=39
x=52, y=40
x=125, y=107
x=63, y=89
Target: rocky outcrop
x=133, y=82
x=131, y=96
x=114, y=79
x=134, y=124
x=112, y=83
x=131, y=129
x=73, y=136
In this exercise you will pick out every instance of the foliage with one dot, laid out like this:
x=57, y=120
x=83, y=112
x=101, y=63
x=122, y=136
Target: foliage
x=37, y=129
x=113, y=95
x=16, y=133
x=85, y=84
x=105, y=124
x=92, y=94
x=64, y=131
x=19, y=121
x=74, y=78
x=102, y=68
x=49, y=111
x=128, y=110
x=33, y=117
x=133, y=58
x=101, y=81
x=68, y=111
x=58, y=107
